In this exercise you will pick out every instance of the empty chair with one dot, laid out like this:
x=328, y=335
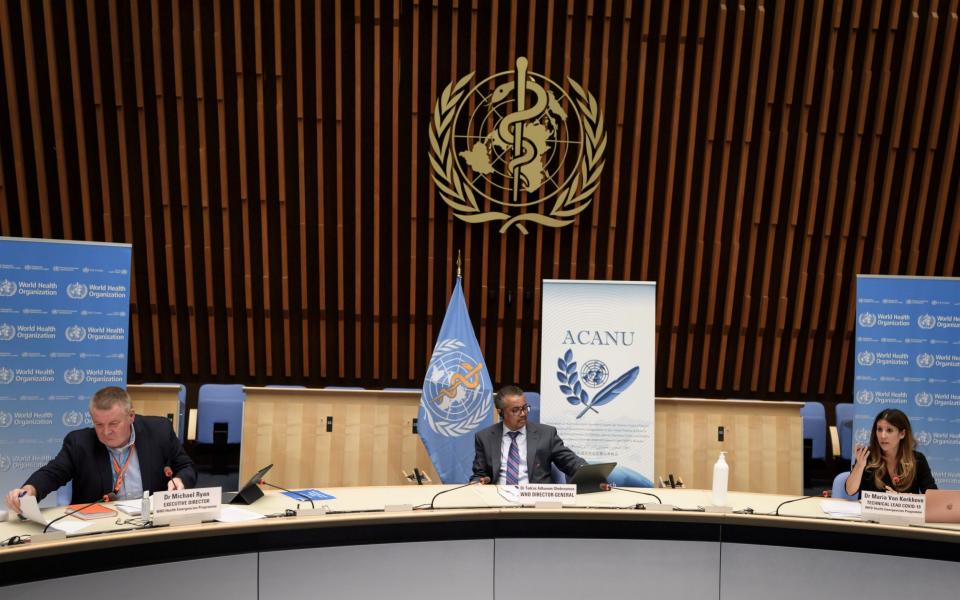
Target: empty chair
x=845, y=430
x=533, y=401
x=182, y=413
x=622, y=476
x=218, y=406
x=839, y=491
x=815, y=428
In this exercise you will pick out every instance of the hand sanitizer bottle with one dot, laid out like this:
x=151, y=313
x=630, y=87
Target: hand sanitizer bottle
x=145, y=506
x=721, y=472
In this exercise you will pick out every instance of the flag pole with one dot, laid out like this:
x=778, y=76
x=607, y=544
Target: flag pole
x=459, y=269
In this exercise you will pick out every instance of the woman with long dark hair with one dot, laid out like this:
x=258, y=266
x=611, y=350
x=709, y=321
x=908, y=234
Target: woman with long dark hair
x=890, y=463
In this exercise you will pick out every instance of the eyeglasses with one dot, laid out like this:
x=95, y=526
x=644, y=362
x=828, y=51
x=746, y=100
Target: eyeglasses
x=519, y=410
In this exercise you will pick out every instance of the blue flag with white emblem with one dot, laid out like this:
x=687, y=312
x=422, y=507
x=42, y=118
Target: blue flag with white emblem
x=457, y=394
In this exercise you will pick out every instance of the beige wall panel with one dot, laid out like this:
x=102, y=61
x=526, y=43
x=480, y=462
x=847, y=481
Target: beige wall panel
x=156, y=401
x=763, y=441
x=371, y=443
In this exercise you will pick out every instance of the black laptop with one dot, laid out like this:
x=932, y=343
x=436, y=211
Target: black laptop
x=250, y=492
x=589, y=478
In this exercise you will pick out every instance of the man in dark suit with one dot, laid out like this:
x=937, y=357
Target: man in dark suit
x=515, y=451
x=123, y=455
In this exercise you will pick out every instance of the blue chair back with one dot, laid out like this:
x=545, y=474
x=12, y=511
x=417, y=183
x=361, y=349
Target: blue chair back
x=845, y=429
x=815, y=427
x=533, y=401
x=626, y=477
x=65, y=494
x=218, y=403
x=839, y=491
x=182, y=414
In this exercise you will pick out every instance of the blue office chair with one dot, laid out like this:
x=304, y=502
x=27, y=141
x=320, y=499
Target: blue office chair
x=845, y=430
x=839, y=491
x=815, y=428
x=220, y=404
x=182, y=416
x=626, y=477
x=65, y=494
x=533, y=401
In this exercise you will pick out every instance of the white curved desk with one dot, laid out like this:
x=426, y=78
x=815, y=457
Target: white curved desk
x=475, y=545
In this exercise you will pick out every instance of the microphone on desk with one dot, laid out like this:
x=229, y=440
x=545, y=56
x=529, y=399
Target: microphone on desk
x=108, y=497
x=441, y=492
x=777, y=511
x=298, y=494
x=613, y=487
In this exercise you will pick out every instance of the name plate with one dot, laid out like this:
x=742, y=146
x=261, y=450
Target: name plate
x=893, y=509
x=187, y=506
x=544, y=494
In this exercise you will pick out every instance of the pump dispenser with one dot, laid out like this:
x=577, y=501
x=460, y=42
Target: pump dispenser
x=721, y=472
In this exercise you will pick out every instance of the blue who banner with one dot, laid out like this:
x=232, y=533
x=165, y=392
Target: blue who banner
x=64, y=312
x=457, y=394
x=908, y=357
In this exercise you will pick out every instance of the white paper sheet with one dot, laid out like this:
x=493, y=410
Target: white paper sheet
x=235, y=514
x=29, y=509
x=840, y=508
x=130, y=507
x=70, y=525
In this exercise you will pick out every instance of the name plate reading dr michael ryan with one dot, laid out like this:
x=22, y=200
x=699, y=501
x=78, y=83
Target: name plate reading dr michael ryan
x=186, y=506
x=893, y=509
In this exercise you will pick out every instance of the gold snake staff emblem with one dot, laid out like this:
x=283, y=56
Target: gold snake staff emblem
x=524, y=150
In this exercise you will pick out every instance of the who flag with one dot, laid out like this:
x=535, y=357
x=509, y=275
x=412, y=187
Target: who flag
x=457, y=394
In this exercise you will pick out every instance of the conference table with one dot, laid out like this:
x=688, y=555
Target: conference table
x=476, y=543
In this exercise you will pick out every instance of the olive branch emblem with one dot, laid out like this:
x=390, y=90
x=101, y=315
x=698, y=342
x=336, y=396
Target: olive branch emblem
x=577, y=192
x=573, y=391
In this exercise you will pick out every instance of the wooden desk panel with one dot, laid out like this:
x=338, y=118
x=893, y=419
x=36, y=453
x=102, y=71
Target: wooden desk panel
x=371, y=441
x=156, y=401
x=763, y=441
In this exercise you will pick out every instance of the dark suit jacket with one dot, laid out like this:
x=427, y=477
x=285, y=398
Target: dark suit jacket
x=544, y=447
x=922, y=481
x=86, y=461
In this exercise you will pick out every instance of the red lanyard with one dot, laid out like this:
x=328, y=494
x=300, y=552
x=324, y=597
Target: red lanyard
x=121, y=470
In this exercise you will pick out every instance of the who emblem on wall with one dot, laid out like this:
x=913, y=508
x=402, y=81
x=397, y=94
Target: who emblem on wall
x=516, y=148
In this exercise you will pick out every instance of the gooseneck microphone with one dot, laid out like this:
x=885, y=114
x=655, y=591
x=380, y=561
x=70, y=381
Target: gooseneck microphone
x=441, y=492
x=298, y=494
x=109, y=497
x=777, y=512
x=613, y=487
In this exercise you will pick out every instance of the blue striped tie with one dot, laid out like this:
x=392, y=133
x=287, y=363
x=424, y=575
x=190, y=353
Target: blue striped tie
x=513, y=459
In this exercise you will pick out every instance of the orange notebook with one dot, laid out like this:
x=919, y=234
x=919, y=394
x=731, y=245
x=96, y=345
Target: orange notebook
x=94, y=511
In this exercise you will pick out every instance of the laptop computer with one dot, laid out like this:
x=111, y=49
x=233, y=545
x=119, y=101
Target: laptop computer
x=942, y=506
x=588, y=478
x=250, y=492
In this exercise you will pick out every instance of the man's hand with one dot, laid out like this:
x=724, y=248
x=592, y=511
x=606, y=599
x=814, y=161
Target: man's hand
x=174, y=484
x=481, y=480
x=13, y=496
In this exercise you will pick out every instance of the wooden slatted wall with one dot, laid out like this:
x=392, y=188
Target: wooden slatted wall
x=268, y=160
